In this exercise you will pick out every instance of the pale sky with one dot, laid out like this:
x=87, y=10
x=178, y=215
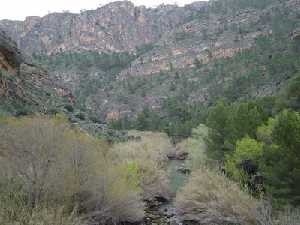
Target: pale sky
x=19, y=9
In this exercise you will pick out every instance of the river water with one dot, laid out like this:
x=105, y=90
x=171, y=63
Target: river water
x=164, y=213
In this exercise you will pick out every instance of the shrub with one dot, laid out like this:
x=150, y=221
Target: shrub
x=148, y=156
x=44, y=164
x=113, y=197
x=211, y=198
x=44, y=216
x=80, y=116
x=230, y=123
x=247, y=149
x=281, y=157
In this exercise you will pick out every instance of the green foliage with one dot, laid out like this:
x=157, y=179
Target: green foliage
x=175, y=118
x=97, y=70
x=291, y=96
x=231, y=122
x=282, y=157
x=273, y=60
x=217, y=120
x=232, y=6
x=134, y=178
x=82, y=61
x=246, y=149
x=273, y=150
x=250, y=131
x=144, y=49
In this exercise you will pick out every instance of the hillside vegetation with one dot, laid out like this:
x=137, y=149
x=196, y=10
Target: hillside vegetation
x=175, y=99
x=51, y=172
x=173, y=115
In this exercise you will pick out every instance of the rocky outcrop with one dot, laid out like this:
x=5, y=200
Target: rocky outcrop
x=181, y=34
x=118, y=26
x=185, y=41
x=10, y=56
x=178, y=155
x=213, y=37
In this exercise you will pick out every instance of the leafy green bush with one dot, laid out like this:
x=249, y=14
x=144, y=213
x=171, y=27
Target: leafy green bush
x=273, y=153
x=291, y=96
x=231, y=122
x=175, y=118
x=281, y=157
x=246, y=149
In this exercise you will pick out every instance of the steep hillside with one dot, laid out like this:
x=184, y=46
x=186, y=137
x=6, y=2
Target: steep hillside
x=24, y=88
x=120, y=59
x=218, y=31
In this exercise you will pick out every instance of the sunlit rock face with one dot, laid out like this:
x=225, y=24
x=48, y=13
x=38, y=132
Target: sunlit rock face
x=118, y=26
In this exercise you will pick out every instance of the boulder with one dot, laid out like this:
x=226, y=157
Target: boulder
x=184, y=170
x=177, y=155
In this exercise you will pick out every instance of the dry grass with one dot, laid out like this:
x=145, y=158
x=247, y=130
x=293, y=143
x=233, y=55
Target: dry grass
x=152, y=146
x=113, y=198
x=42, y=216
x=288, y=216
x=213, y=199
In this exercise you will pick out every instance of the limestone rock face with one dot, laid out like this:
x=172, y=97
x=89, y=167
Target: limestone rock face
x=118, y=26
x=181, y=35
x=208, y=36
x=172, y=50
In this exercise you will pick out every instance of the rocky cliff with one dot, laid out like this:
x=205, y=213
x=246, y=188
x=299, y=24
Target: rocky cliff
x=211, y=34
x=118, y=26
x=202, y=31
x=235, y=49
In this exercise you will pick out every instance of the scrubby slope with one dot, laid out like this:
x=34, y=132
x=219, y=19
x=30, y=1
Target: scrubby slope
x=233, y=49
x=24, y=88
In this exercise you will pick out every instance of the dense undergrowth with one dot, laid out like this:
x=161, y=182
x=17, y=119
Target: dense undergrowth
x=255, y=145
x=258, y=142
x=52, y=173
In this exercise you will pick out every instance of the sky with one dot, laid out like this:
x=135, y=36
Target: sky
x=19, y=9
